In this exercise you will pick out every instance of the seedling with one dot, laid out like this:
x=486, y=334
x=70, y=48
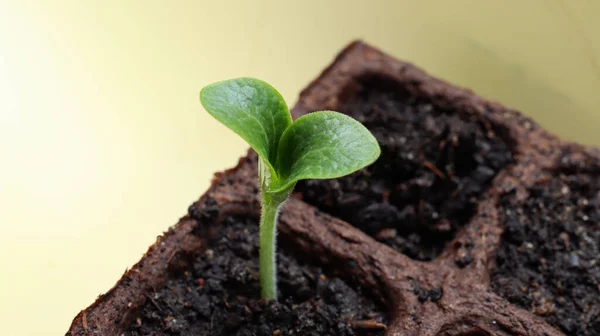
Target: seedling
x=319, y=145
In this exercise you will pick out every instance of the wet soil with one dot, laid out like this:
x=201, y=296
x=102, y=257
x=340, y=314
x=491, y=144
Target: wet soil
x=549, y=260
x=434, y=168
x=218, y=295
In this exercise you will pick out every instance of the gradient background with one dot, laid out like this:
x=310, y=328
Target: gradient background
x=103, y=143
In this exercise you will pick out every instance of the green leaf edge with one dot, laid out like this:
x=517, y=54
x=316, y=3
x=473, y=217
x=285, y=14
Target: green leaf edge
x=290, y=183
x=275, y=92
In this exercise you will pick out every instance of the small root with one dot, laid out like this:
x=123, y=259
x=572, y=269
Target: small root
x=367, y=324
x=154, y=303
x=434, y=169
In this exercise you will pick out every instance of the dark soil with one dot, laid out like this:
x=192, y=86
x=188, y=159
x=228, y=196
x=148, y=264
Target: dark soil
x=549, y=261
x=218, y=295
x=434, y=167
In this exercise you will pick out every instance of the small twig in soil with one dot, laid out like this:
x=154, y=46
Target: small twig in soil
x=84, y=321
x=171, y=257
x=154, y=303
x=434, y=169
x=368, y=324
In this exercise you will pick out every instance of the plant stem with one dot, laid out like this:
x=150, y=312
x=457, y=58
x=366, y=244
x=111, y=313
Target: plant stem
x=267, y=258
x=270, y=205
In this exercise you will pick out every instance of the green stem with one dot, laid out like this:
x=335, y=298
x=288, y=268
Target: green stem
x=270, y=205
x=267, y=258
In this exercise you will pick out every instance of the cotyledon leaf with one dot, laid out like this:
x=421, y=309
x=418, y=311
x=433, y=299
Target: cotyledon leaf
x=251, y=108
x=323, y=145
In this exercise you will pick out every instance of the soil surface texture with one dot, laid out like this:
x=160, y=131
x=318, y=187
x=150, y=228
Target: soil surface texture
x=218, y=295
x=549, y=260
x=434, y=168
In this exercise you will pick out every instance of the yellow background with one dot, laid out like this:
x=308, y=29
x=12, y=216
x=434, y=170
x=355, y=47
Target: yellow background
x=104, y=144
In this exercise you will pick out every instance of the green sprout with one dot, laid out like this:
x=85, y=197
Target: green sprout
x=319, y=145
